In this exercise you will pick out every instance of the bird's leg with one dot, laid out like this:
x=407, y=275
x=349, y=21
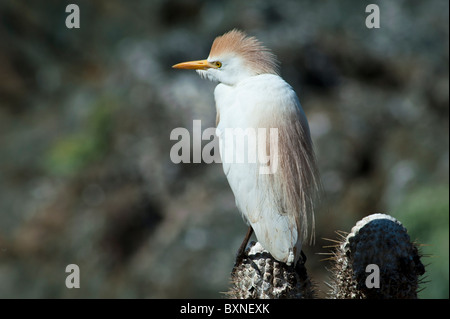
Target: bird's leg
x=241, y=252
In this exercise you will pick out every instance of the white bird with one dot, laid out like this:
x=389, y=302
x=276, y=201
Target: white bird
x=251, y=95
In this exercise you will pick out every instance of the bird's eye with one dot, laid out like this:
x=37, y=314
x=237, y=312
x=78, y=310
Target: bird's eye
x=218, y=64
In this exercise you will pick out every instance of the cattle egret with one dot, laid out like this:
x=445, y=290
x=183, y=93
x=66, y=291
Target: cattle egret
x=278, y=207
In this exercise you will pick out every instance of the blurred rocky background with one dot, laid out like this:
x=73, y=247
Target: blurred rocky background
x=86, y=115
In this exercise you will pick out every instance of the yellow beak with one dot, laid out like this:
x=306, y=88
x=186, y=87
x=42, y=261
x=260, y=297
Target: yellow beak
x=194, y=65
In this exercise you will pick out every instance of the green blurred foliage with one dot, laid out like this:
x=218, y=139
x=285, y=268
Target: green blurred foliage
x=425, y=213
x=89, y=143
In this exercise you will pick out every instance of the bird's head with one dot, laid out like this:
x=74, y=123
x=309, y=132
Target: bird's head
x=234, y=56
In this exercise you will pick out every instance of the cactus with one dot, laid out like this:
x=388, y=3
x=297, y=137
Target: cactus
x=260, y=276
x=377, y=239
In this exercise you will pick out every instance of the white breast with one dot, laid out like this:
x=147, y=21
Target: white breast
x=247, y=105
